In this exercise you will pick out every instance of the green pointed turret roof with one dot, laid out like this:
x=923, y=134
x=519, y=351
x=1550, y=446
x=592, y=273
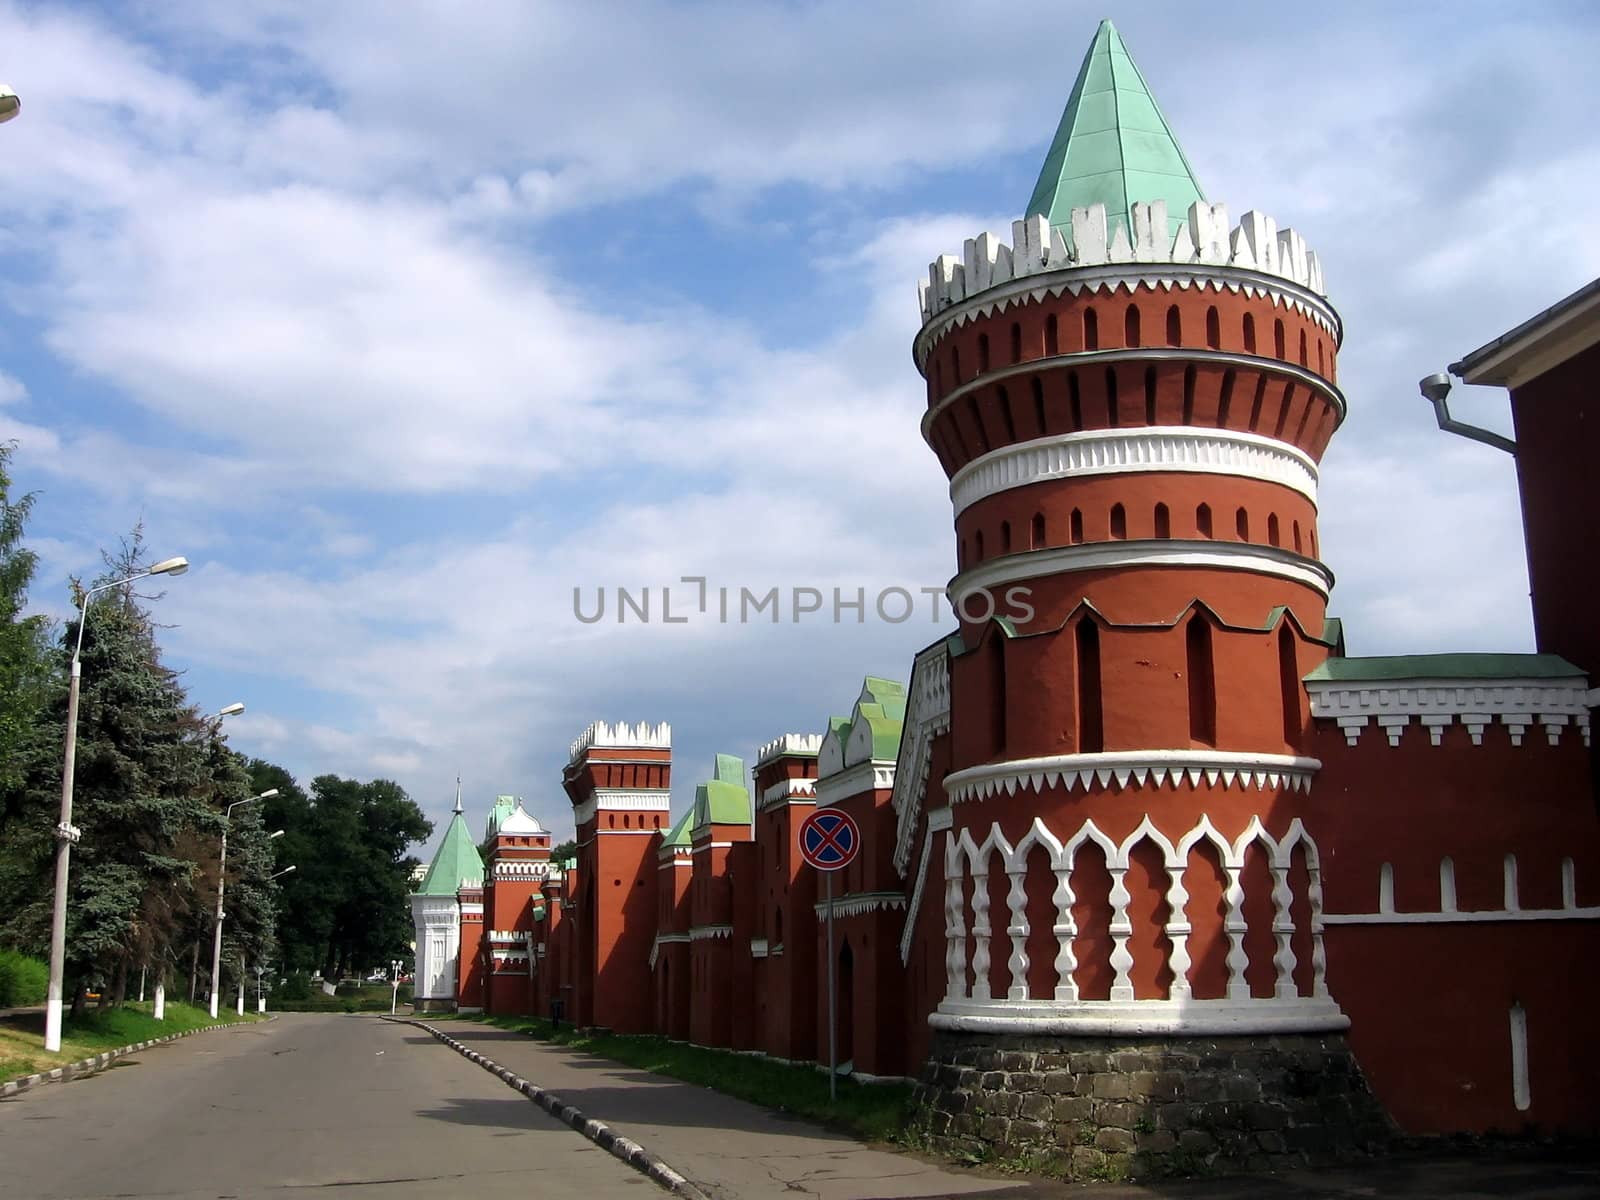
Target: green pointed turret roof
x=1113, y=146
x=455, y=863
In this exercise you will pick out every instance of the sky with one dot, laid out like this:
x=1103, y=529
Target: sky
x=402, y=321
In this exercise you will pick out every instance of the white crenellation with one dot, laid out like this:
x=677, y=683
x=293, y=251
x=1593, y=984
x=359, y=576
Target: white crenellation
x=1177, y=448
x=1256, y=244
x=803, y=745
x=1436, y=704
x=621, y=735
x=969, y=864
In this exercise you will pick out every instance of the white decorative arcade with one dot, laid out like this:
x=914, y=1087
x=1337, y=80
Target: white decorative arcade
x=973, y=940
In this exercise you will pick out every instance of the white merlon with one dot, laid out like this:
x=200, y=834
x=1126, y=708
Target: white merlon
x=804, y=745
x=622, y=735
x=1205, y=239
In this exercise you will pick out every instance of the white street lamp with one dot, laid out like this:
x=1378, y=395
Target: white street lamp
x=222, y=879
x=10, y=104
x=275, y=874
x=67, y=833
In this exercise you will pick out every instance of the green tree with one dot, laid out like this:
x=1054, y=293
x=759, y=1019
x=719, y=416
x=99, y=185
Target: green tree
x=346, y=908
x=142, y=796
x=562, y=851
x=27, y=669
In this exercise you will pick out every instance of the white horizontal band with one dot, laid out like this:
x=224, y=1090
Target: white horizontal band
x=1121, y=1017
x=1151, y=552
x=1468, y=917
x=1182, y=448
x=1139, y=767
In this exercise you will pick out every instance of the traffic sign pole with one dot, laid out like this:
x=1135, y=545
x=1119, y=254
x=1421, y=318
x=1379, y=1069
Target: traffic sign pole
x=829, y=841
x=833, y=1004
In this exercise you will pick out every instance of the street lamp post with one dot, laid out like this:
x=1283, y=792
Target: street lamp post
x=222, y=880
x=68, y=834
x=160, y=1009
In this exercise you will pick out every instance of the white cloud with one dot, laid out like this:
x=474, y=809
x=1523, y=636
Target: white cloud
x=323, y=279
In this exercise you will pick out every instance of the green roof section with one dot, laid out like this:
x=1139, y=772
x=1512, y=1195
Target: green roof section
x=678, y=835
x=723, y=799
x=455, y=863
x=1403, y=667
x=882, y=708
x=1112, y=147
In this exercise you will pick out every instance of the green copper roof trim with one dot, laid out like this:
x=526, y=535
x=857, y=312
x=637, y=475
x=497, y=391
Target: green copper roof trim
x=1112, y=147
x=1444, y=666
x=456, y=862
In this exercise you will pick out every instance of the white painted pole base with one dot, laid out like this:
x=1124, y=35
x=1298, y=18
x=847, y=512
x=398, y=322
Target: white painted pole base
x=161, y=1000
x=241, y=999
x=261, y=1004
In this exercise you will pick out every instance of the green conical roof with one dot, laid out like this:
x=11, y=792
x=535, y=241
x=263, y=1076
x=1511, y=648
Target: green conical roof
x=1113, y=146
x=456, y=862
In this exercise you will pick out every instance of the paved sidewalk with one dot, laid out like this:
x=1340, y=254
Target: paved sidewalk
x=727, y=1147
x=730, y=1148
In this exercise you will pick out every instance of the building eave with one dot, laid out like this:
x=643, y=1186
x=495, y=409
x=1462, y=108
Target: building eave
x=1546, y=340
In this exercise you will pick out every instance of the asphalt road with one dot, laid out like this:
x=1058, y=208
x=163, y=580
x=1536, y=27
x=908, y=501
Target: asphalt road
x=307, y=1105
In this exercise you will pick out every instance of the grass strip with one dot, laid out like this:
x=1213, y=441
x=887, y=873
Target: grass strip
x=22, y=1049
x=876, y=1112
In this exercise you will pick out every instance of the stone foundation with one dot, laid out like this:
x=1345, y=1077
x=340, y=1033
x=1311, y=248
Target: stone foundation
x=1136, y=1107
x=433, y=1005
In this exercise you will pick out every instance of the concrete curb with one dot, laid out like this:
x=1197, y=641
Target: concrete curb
x=598, y=1132
x=90, y=1066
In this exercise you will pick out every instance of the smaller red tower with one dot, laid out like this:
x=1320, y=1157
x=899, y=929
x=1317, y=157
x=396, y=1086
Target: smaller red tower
x=783, y=946
x=517, y=861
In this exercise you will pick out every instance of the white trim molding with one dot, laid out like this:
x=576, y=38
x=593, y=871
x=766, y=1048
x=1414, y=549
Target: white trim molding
x=622, y=800
x=1436, y=703
x=1142, y=768
x=706, y=933
x=994, y=573
x=873, y=776
x=1092, y=1018
x=1121, y=451
x=927, y=717
x=858, y=903
x=789, y=791
x=939, y=820
x=521, y=868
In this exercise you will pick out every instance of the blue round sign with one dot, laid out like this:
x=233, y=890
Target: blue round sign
x=829, y=839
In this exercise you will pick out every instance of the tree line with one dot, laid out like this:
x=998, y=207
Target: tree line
x=153, y=781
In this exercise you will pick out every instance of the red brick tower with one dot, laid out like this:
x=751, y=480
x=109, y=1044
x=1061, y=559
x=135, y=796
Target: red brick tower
x=1130, y=401
x=517, y=861
x=619, y=779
